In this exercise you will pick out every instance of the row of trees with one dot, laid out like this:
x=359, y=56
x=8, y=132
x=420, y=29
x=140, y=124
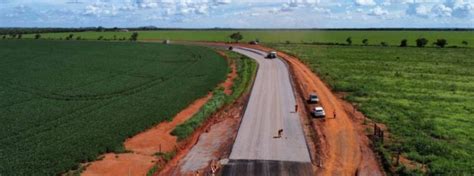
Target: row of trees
x=133, y=37
x=420, y=42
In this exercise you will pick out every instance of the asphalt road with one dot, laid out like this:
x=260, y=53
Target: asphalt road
x=271, y=107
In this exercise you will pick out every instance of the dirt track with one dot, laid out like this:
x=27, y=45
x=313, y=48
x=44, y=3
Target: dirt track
x=344, y=146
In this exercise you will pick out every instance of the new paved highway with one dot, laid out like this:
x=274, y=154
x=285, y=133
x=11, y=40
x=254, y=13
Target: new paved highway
x=257, y=150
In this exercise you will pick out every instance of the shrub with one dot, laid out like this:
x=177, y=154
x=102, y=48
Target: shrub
x=349, y=40
x=37, y=36
x=69, y=37
x=384, y=44
x=421, y=42
x=100, y=38
x=441, y=43
x=236, y=36
x=134, y=36
x=365, y=42
x=465, y=43
x=404, y=43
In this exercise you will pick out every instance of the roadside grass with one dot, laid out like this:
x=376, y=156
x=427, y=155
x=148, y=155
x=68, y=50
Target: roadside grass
x=153, y=170
x=66, y=102
x=246, y=69
x=424, y=95
x=392, y=38
x=166, y=156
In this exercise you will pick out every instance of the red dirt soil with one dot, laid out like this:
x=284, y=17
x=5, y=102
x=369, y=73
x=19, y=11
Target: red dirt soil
x=344, y=146
x=121, y=164
x=157, y=139
x=149, y=142
x=143, y=146
x=229, y=82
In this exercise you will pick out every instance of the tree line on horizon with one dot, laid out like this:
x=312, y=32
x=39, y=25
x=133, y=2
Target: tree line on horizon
x=420, y=42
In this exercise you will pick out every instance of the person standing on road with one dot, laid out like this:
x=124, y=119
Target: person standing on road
x=296, y=108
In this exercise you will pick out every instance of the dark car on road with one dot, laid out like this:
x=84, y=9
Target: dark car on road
x=272, y=55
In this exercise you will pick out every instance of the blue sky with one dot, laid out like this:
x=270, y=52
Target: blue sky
x=238, y=13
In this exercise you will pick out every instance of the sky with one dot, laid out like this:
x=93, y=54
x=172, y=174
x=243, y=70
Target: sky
x=239, y=13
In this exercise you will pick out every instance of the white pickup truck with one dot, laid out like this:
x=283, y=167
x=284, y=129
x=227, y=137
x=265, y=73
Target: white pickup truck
x=318, y=112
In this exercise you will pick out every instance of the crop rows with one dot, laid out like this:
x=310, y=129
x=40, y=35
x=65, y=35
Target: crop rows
x=62, y=103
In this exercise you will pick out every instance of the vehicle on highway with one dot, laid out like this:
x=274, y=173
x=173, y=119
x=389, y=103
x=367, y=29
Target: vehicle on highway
x=253, y=42
x=231, y=48
x=272, y=55
x=318, y=112
x=313, y=98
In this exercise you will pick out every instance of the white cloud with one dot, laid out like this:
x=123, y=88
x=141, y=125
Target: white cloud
x=418, y=9
x=221, y=2
x=322, y=10
x=211, y=13
x=100, y=9
x=378, y=11
x=460, y=8
x=450, y=8
x=365, y=2
x=146, y=3
x=441, y=10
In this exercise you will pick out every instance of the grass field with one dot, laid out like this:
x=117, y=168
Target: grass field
x=281, y=36
x=424, y=95
x=63, y=103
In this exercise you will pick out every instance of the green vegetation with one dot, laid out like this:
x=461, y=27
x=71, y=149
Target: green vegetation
x=236, y=37
x=65, y=102
x=392, y=38
x=246, y=69
x=424, y=95
x=152, y=171
x=167, y=156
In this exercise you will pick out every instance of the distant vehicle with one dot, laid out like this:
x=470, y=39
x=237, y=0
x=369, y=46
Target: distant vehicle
x=253, y=42
x=231, y=48
x=318, y=112
x=166, y=41
x=272, y=55
x=313, y=98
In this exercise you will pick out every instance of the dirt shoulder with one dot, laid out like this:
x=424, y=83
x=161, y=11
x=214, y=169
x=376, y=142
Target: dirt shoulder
x=344, y=148
x=214, y=141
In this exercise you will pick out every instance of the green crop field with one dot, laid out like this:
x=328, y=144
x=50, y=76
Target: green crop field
x=424, y=95
x=63, y=103
x=281, y=36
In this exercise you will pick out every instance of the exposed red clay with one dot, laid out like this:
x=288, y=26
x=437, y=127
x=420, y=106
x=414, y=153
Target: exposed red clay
x=121, y=164
x=229, y=82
